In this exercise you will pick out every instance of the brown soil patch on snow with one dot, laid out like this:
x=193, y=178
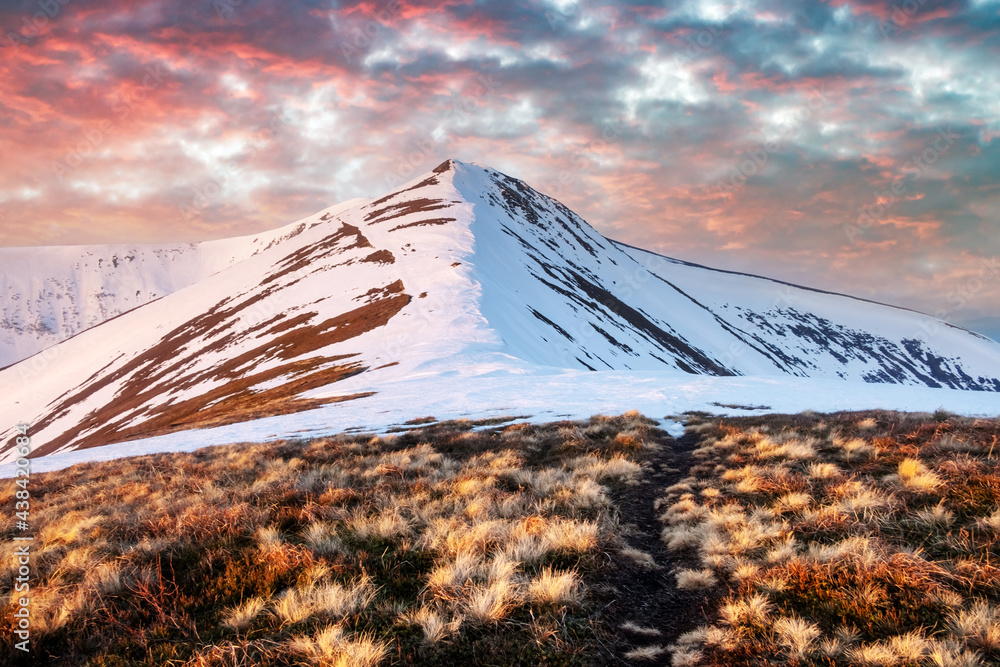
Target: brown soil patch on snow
x=419, y=205
x=325, y=247
x=380, y=257
x=423, y=223
x=162, y=370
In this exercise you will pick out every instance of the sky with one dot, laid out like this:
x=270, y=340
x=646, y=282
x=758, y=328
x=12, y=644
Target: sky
x=849, y=145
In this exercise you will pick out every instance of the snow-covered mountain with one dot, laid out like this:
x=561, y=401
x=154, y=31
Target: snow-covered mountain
x=49, y=294
x=987, y=326
x=463, y=271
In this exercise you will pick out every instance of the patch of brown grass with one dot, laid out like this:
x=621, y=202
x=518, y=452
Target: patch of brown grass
x=445, y=543
x=843, y=539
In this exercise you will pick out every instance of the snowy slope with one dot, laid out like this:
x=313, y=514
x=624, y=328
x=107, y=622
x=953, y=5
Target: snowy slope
x=463, y=275
x=987, y=326
x=48, y=294
x=542, y=395
x=812, y=333
x=560, y=294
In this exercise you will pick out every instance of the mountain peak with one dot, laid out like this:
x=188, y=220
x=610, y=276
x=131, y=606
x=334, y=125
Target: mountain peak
x=443, y=167
x=462, y=270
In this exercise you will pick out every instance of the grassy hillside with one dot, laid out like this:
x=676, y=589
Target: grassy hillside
x=869, y=539
x=442, y=546
x=847, y=539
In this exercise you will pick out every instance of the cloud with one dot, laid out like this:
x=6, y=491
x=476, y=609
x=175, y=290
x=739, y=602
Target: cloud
x=693, y=128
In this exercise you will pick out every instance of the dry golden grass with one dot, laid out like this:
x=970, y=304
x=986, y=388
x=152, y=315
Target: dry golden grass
x=694, y=579
x=645, y=653
x=842, y=540
x=330, y=600
x=639, y=557
x=239, y=617
x=489, y=602
x=443, y=542
x=550, y=587
x=433, y=623
x=333, y=646
x=630, y=626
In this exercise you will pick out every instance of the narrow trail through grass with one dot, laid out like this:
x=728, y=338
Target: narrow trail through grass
x=649, y=612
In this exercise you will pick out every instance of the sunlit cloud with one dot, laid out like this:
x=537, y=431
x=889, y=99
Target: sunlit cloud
x=752, y=135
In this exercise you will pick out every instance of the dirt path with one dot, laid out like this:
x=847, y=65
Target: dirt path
x=649, y=598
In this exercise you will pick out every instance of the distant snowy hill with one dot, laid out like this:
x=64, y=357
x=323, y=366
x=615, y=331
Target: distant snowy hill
x=812, y=333
x=48, y=294
x=987, y=326
x=462, y=273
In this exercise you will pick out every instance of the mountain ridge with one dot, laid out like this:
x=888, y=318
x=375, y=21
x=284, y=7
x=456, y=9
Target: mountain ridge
x=773, y=280
x=79, y=286
x=462, y=270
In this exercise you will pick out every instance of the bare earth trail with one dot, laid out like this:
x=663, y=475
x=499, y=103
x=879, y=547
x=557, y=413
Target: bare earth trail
x=644, y=596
